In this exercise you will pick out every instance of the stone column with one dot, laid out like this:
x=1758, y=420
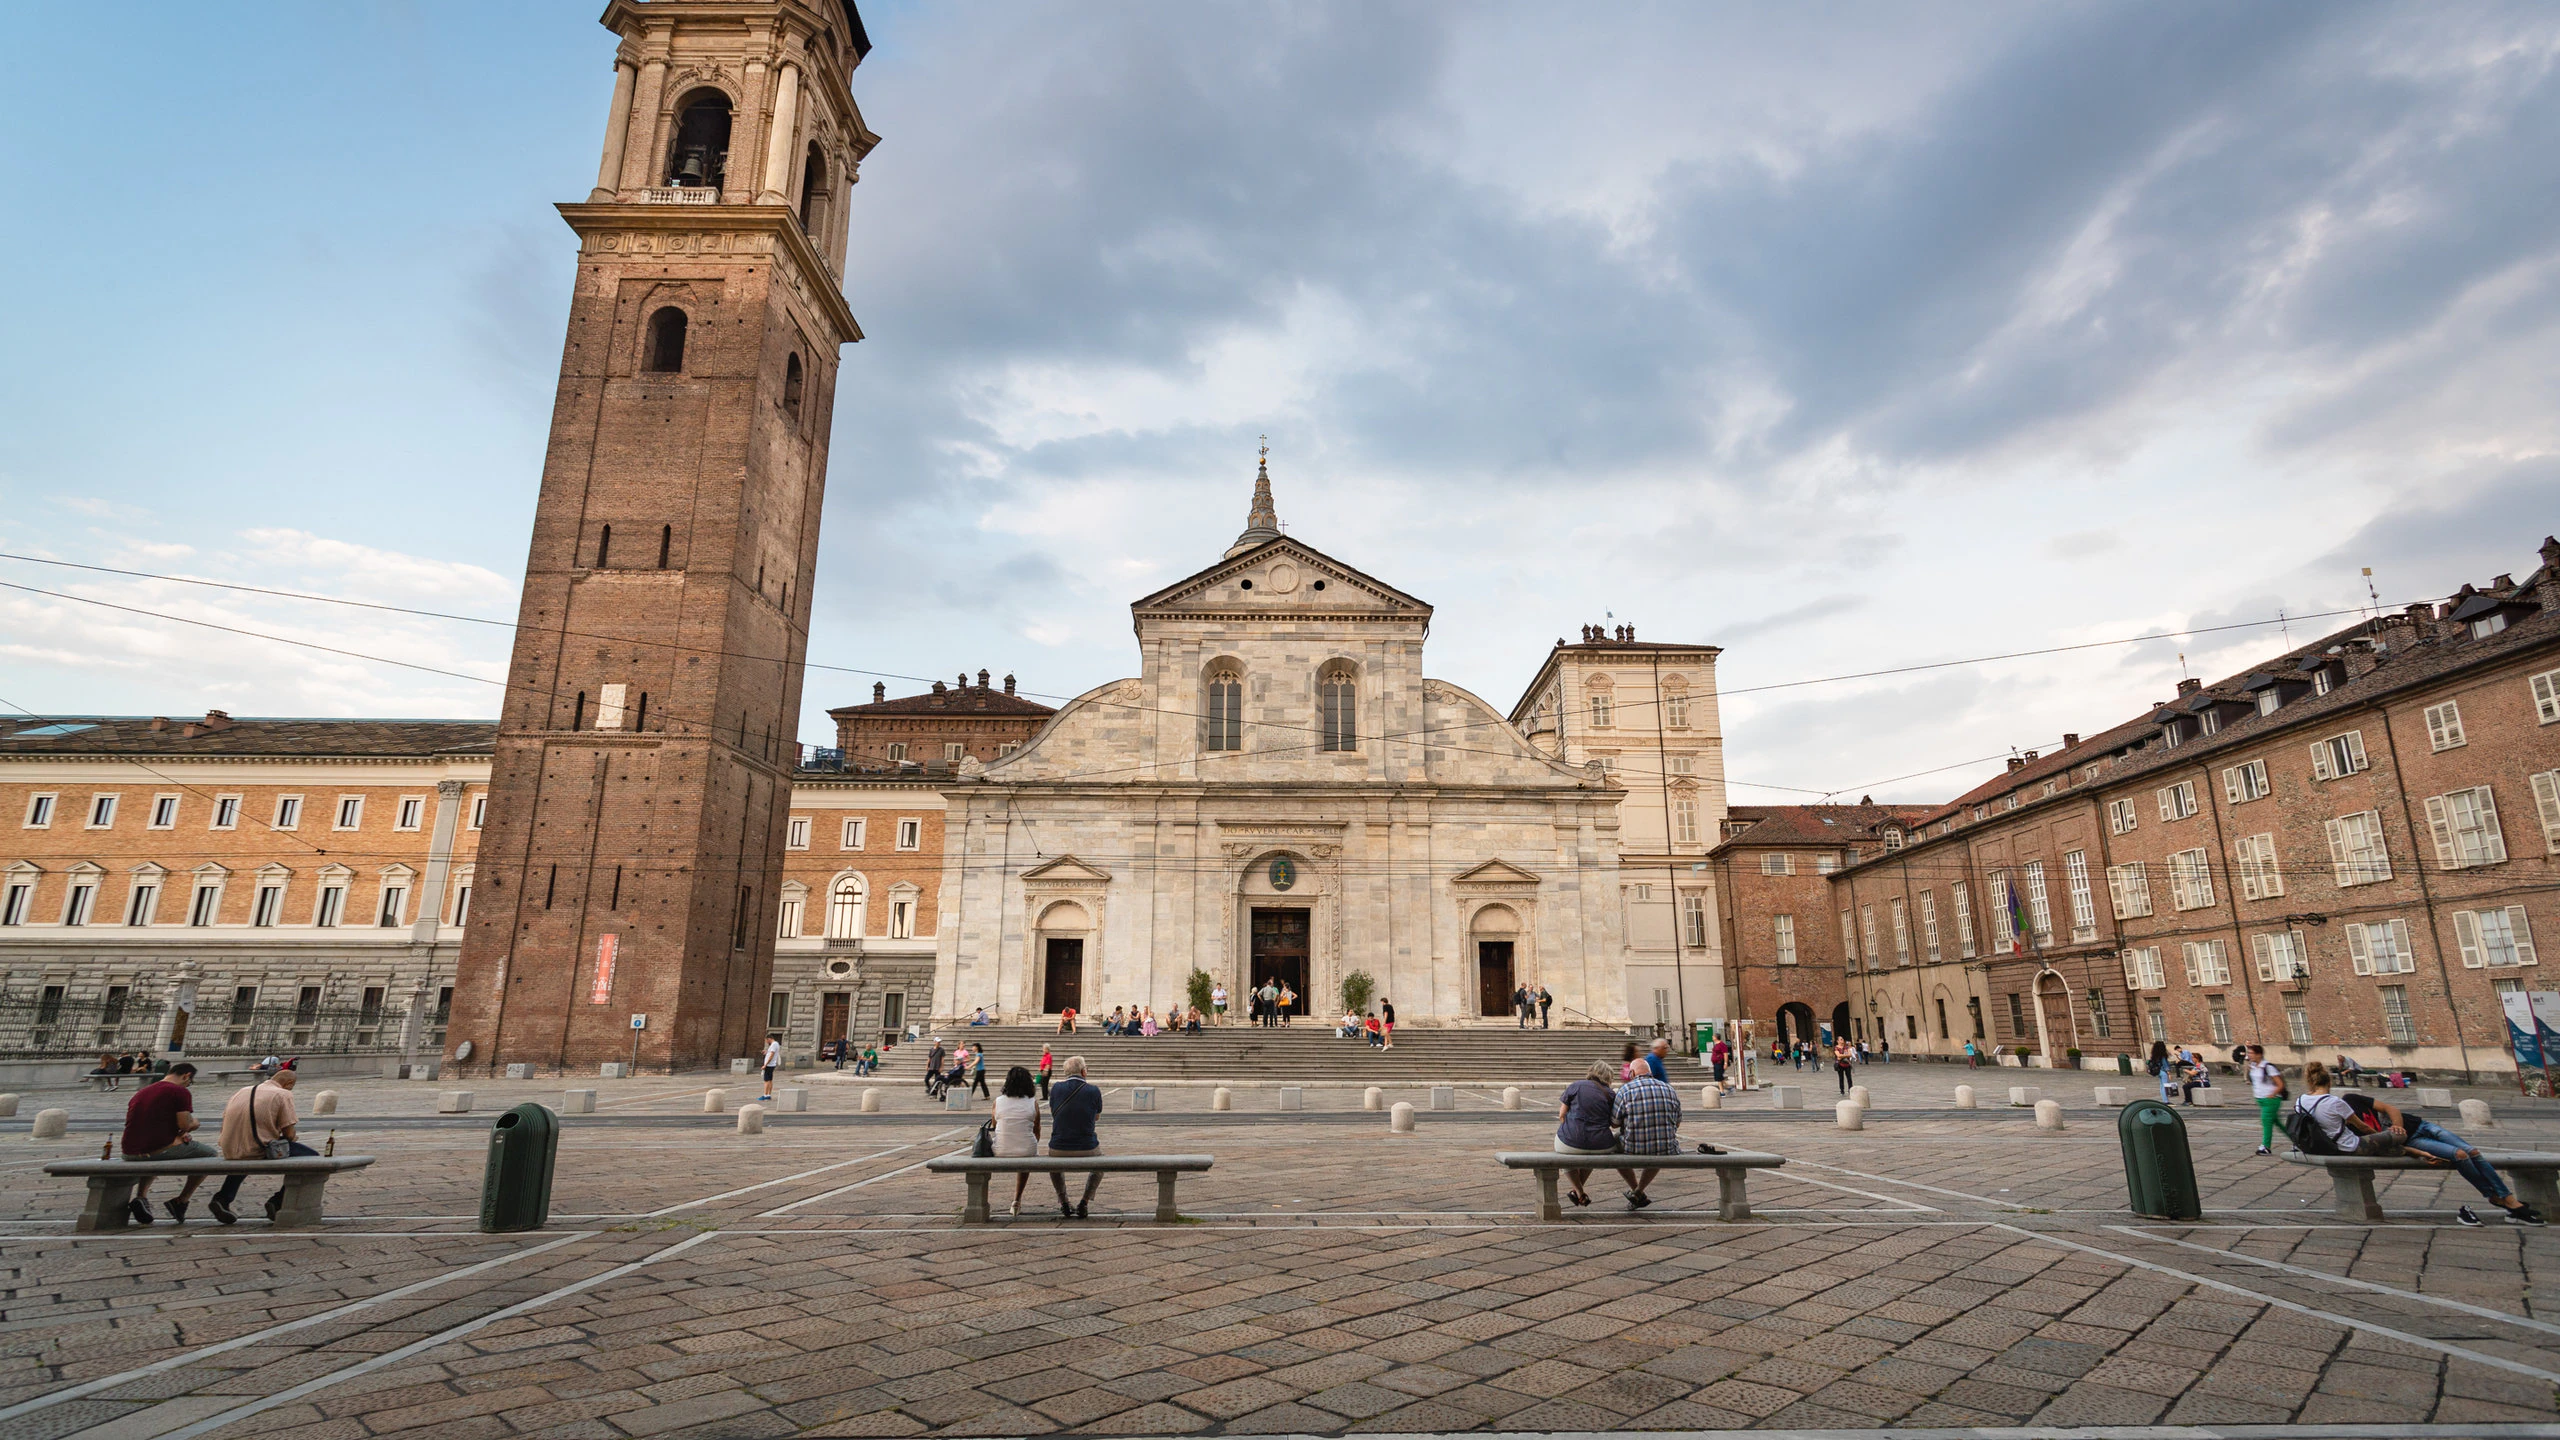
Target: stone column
x=778, y=146
x=617, y=135
x=639, y=152
x=439, y=862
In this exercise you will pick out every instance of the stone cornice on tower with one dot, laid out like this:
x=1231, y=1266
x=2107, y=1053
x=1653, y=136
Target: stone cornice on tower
x=621, y=231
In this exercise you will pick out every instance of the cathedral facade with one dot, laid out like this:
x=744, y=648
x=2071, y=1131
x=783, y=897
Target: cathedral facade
x=1281, y=794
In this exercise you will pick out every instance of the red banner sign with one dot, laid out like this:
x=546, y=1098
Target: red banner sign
x=603, y=990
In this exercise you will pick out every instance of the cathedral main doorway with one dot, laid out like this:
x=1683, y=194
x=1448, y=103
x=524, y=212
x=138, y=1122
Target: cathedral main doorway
x=1493, y=977
x=1062, y=977
x=1280, y=953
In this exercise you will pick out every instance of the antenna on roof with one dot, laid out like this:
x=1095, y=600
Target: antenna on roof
x=2372, y=593
x=2284, y=627
x=2182, y=666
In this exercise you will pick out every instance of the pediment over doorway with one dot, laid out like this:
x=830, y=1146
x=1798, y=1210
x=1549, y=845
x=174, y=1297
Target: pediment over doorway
x=1068, y=870
x=1495, y=872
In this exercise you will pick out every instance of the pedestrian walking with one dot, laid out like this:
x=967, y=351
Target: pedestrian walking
x=2266, y=1086
x=1843, y=1063
x=933, y=1071
x=772, y=1062
x=1972, y=1057
x=1387, y=1021
x=978, y=1071
x=1717, y=1054
x=1218, y=1003
x=1546, y=1002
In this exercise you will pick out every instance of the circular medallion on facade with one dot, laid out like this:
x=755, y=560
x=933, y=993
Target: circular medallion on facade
x=1284, y=577
x=1284, y=872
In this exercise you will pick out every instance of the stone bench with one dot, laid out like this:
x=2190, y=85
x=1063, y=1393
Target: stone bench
x=2534, y=1177
x=109, y=1079
x=111, y=1183
x=1164, y=1167
x=1733, y=1169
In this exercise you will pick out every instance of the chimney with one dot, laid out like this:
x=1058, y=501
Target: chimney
x=2070, y=739
x=2503, y=582
x=2189, y=687
x=2551, y=551
x=217, y=719
x=982, y=677
x=1008, y=684
x=879, y=691
x=159, y=723
x=939, y=690
x=964, y=680
x=2015, y=763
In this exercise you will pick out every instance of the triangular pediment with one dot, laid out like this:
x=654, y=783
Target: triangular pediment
x=1495, y=872
x=1280, y=576
x=1067, y=867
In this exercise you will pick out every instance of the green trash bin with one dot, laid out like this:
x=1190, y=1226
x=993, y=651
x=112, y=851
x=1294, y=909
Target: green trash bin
x=515, y=1188
x=2159, y=1173
x=2124, y=1064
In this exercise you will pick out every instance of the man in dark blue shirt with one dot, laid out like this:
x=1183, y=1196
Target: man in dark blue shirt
x=1074, y=1105
x=1654, y=1060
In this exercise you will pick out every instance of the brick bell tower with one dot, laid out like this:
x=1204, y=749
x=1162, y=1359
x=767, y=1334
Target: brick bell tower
x=642, y=774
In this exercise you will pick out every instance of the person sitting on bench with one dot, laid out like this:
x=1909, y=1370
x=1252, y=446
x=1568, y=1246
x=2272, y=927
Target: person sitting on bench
x=258, y=1124
x=1074, y=1107
x=159, y=1124
x=2437, y=1143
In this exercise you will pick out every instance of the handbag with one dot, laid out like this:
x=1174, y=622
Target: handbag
x=985, y=1146
x=276, y=1149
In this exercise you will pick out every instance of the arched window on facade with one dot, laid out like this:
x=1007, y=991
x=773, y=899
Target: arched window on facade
x=813, y=192
x=1222, y=694
x=701, y=151
x=847, y=902
x=666, y=342
x=791, y=384
x=1338, y=707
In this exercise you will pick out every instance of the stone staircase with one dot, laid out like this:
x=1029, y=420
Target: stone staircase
x=1304, y=1053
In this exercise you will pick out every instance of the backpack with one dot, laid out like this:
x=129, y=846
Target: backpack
x=2305, y=1132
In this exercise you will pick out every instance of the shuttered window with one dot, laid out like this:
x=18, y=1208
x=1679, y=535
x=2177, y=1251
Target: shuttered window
x=2494, y=939
x=2465, y=825
x=2444, y=726
x=2129, y=886
x=2380, y=947
x=2338, y=755
x=2260, y=877
x=2190, y=880
x=2356, y=849
x=2142, y=969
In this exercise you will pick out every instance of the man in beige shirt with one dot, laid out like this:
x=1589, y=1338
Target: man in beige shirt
x=252, y=1117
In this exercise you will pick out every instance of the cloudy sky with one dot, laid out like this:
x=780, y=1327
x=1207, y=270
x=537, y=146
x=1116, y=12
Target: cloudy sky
x=1844, y=337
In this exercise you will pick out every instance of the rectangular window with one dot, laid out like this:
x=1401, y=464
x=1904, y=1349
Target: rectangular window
x=796, y=833
x=1929, y=926
x=2444, y=726
x=1675, y=712
x=2208, y=962
x=2546, y=698
x=2098, y=1014
x=1867, y=932
x=1693, y=918
x=369, y=1009
x=395, y=903
x=350, y=812
x=140, y=902
x=164, y=812
x=1600, y=712
x=2218, y=1014
x=2084, y=906
x=2488, y=625
x=1901, y=933
x=1786, y=935
x=2322, y=682
x=1849, y=939
x=1964, y=918
x=2281, y=956
x=2155, y=1021
x=288, y=812
x=75, y=909
x=1683, y=764
x=2339, y=755
x=898, y=752
x=902, y=919
x=2494, y=938
x=2142, y=969
x=2244, y=783
x=2129, y=886
x=2178, y=801
x=1826, y=863
x=852, y=835
x=412, y=811
x=2119, y=817
x=2260, y=877
x=2380, y=947
x=2466, y=829
x=14, y=904
x=270, y=904
x=462, y=903
x=777, y=1011
x=102, y=811
x=226, y=812
x=206, y=905
x=2017, y=1016
x=2004, y=921
x=910, y=834
x=1684, y=820
x=112, y=1014
x=1640, y=892
x=2356, y=850
x=2396, y=1017
x=333, y=903
x=306, y=1007
x=2190, y=880
x=2269, y=700
x=2297, y=1025
x=954, y=751
x=39, y=812
x=244, y=1004
x=479, y=810
x=789, y=911
x=1776, y=864
x=2039, y=905
x=1007, y=748
x=1893, y=839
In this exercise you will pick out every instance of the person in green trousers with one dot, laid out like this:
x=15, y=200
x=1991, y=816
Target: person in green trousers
x=2266, y=1085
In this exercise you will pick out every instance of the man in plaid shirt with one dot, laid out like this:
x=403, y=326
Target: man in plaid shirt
x=1646, y=1115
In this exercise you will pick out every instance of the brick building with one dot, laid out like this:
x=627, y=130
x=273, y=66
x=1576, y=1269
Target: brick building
x=2347, y=848
x=1773, y=880
x=934, y=733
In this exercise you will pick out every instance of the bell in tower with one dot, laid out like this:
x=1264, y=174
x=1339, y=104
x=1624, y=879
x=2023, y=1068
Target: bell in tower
x=702, y=141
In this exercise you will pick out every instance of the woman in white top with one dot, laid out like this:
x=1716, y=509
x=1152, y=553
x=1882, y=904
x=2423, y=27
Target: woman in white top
x=2337, y=1119
x=1018, y=1125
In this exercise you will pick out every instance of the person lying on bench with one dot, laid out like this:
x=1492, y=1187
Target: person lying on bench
x=2437, y=1143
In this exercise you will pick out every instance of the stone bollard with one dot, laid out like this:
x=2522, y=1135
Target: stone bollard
x=955, y=1098
x=1850, y=1114
x=2438, y=1099
x=751, y=1119
x=1786, y=1097
x=1373, y=1098
x=2110, y=1094
x=454, y=1102
x=2214, y=1096
x=871, y=1101
x=2048, y=1114
x=8, y=1105
x=1510, y=1097
x=613, y=1070
x=2475, y=1115
x=1964, y=1097
x=1858, y=1095
x=742, y=1066
x=714, y=1101
x=792, y=1098
x=1142, y=1097
x=431, y=1070
x=1222, y=1099
x=1710, y=1097
x=1292, y=1098
x=1444, y=1097
x=54, y=1124
x=519, y=1072
x=1399, y=1120
x=578, y=1102
x=325, y=1103
x=2025, y=1097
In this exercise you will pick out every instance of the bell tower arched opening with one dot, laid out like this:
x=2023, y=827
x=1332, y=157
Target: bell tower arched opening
x=700, y=154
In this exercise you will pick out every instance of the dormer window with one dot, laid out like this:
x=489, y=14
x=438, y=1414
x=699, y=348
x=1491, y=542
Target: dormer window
x=1892, y=838
x=2482, y=615
x=2209, y=722
x=2488, y=625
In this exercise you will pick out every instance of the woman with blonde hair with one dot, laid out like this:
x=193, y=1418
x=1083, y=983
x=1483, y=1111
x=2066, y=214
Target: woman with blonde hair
x=1582, y=1124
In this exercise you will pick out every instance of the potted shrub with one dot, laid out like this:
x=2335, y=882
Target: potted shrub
x=1357, y=987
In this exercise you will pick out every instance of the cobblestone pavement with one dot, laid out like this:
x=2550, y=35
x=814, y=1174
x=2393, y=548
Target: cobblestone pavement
x=1937, y=1271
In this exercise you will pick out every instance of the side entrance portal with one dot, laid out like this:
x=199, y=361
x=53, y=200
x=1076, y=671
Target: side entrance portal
x=835, y=1013
x=1493, y=977
x=1063, y=972
x=1280, y=953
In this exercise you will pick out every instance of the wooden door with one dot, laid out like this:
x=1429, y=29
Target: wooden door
x=1493, y=977
x=1062, y=976
x=1280, y=944
x=835, y=1012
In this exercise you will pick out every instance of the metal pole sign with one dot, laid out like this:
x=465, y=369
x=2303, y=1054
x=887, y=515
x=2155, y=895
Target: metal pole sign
x=603, y=991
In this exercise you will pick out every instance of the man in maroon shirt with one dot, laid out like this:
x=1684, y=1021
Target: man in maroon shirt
x=157, y=1123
